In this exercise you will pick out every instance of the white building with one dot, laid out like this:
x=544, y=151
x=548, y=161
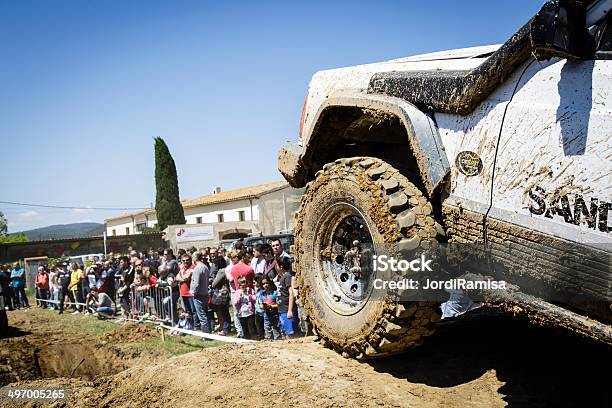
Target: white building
x=232, y=213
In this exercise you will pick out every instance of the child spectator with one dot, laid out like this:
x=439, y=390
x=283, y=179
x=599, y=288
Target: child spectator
x=267, y=302
x=244, y=299
x=259, y=309
x=286, y=302
x=184, y=322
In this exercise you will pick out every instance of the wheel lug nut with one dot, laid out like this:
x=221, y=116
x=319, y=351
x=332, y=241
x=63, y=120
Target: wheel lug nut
x=336, y=298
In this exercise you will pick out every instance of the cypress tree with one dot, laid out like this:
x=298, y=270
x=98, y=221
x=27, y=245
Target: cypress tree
x=167, y=203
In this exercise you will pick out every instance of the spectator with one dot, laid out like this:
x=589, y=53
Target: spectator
x=267, y=301
x=63, y=281
x=167, y=280
x=223, y=253
x=41, y=284
x=76, y=286
x=199, y=289
x=126, y=278
x=184, y=279
x=243, y=269
x=258, y=263
x=100, y=303
x=244, y=299
x=106, y=284
x=239, y=245
x=221, y=297
x=277, y=247
x=286, y=302
x=18, y=284
x=235, y=259
x=270, y=261
x=170, y=261
x=90, y=280
x=54, y=287
x=184, y=322
x=301, y=311
x=259, y=309
x=7, y=288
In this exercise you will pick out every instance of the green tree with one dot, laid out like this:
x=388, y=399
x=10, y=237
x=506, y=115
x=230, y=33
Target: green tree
x=3, y=227
x=167, y=203
x=10, y=239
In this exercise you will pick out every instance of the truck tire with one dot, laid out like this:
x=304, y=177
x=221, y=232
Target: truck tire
x=367, y=198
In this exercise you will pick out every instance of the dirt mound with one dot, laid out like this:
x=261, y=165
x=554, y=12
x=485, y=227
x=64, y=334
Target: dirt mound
x=130, y=333
x=482, y=364
x=37, y=346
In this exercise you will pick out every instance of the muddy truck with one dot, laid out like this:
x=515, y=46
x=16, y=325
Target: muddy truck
x=505, y=148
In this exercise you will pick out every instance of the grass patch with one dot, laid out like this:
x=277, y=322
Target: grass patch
x=178, y=345
x=94, y=327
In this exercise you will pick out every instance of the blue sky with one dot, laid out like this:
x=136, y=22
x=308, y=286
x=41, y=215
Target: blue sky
x=86, y=85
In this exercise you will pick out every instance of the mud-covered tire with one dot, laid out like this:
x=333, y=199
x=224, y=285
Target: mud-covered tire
x=400, y=215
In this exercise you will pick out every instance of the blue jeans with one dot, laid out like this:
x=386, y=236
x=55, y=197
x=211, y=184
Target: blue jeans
x=201, y=311
x=237, y=323
x=189, y=306
x=223, y=314
x=21, y=297
x=169, y=305
x=271, y=326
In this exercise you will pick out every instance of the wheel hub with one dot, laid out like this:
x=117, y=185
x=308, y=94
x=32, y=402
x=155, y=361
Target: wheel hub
x=345, y=250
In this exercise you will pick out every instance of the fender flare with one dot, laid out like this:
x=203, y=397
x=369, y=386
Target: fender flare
x=423, y=138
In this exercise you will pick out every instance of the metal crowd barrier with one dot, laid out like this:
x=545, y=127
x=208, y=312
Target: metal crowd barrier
x=153, y=304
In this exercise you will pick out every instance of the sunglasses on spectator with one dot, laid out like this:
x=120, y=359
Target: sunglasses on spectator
x=185, y=260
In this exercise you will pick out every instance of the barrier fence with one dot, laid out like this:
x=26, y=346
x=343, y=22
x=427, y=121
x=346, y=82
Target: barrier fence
x=153, y=303
x=159, y=306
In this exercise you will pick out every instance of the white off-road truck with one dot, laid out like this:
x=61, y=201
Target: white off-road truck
x=505, y=147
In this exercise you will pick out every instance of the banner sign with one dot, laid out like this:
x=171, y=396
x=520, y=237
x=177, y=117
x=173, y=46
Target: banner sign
x=188, y=234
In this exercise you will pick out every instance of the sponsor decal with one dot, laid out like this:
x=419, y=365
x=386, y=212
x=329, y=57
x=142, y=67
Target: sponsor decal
x=468, y=163
x=573, y=208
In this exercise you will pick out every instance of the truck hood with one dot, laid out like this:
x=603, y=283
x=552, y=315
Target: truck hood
x=325, y=83
x=460, y=53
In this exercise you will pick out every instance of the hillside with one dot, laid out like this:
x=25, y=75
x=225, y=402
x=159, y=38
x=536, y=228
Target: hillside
x=76, y=230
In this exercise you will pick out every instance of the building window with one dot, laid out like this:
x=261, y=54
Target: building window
x=219, y=217
x=139, y=227
x=240, y=215
x=114, y=232
x=198, y=220
x=127, y=230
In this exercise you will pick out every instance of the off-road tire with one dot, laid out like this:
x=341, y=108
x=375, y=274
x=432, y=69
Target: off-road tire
x=401, y=215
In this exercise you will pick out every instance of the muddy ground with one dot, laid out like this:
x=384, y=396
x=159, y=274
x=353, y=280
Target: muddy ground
x=487, y=362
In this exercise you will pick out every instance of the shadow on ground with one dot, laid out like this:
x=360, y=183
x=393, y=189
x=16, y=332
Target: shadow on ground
x=540, y=366
x=13, y=332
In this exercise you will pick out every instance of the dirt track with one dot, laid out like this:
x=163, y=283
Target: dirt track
x=493, y=363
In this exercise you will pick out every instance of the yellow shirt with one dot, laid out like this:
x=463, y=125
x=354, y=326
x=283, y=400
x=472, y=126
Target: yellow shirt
x=75, y=277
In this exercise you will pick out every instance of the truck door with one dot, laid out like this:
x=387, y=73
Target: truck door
x=552, y=186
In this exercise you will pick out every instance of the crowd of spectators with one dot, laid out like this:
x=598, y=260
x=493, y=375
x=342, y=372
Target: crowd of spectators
x=251, y=292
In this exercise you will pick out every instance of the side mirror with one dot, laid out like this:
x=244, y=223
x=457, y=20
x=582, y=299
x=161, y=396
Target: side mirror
x=559, y=30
